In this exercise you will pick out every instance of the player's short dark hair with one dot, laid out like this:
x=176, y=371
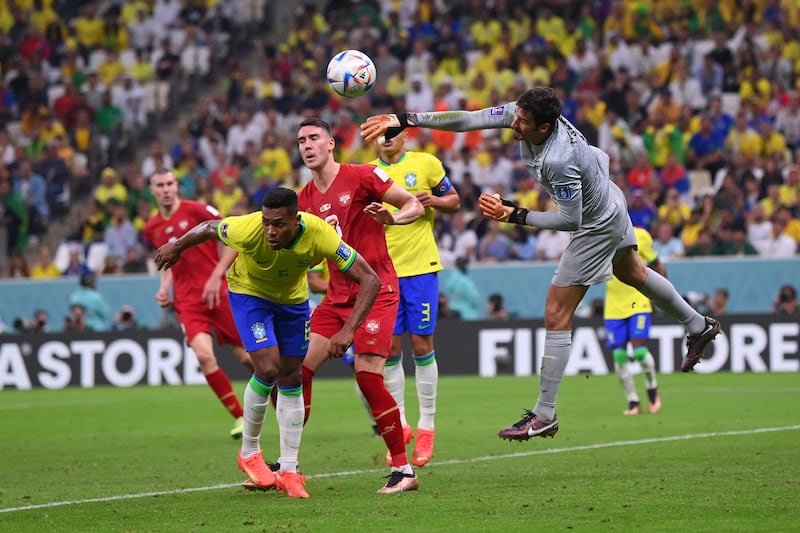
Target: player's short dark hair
x=318, y=122
x=542, y=103
x=280, y=197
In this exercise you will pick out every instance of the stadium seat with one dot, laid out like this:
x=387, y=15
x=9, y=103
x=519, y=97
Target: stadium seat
x=14, y=130
x=700, y=183
x=96, y=58
x=54, y=92
x=127, y=57
x=61, y=257
x=96, y=256
x=730, y=103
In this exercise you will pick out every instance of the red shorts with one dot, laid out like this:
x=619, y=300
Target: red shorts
x=374, y=335
x=196, y=318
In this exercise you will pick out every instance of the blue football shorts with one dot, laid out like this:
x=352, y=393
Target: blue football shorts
x=620, y=331
x=419, y=304
x=262, y=323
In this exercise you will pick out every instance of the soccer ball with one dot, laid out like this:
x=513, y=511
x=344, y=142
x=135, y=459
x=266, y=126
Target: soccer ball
x=351, y=73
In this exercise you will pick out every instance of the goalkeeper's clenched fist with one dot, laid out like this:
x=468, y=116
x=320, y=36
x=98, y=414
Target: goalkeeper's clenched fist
x=497, y=208
x=381, y=128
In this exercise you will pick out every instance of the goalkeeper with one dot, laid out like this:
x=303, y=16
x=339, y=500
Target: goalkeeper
x=590, y=205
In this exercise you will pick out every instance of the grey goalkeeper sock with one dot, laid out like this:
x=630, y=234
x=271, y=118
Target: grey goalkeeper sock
x=557, y=345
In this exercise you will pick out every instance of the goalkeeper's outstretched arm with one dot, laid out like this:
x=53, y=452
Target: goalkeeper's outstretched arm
x=384, y=127
x=566, y=218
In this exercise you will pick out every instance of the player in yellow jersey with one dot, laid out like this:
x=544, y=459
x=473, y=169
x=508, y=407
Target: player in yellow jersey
x=268, y=291
x=416, y=258
x=627, y=314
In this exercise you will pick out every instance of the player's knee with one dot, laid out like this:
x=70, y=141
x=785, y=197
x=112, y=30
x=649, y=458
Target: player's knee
x=620, y=356
x=640, y=353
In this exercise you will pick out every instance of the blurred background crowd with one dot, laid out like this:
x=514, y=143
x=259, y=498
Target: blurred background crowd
x=696, y=102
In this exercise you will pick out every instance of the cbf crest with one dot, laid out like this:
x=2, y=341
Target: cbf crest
x=259, y=331
x=411, y=179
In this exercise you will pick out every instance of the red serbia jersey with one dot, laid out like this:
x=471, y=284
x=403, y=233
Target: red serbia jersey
x=192, y=270
x=353, y=188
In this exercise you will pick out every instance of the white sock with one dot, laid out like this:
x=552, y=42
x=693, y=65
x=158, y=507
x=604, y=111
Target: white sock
x=626, y=379
x=394, y=377
x=290, y=422
x=426, y=375
x=649, y=371
x=256, y=402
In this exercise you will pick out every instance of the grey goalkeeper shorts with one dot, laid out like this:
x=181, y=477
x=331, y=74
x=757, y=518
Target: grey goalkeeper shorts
x=592, y=250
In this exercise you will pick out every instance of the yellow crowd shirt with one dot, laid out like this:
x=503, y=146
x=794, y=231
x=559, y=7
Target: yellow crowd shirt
x=412, y=247
x=280, y=276
x=623, y=301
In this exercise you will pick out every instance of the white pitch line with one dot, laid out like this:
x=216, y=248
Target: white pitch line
x=437, y=463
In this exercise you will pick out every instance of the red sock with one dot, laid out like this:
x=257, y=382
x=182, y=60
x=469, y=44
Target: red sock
x=386, y=413
x=221, y=385
x=308, y=375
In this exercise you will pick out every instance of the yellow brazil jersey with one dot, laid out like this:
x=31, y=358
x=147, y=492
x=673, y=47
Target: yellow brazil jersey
x=280, y=275
x=412, y=247
x=623, y=301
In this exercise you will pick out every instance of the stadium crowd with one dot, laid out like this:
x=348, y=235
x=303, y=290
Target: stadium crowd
x=697, y=104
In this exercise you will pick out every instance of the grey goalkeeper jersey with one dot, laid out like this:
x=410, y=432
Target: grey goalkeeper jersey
x=574, y=173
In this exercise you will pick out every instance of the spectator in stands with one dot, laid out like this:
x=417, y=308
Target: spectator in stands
x=142, y=30
x=666, y=244
x=787, y=121
x=156, y=159
x=44, y=267
x=138, y=190
x=737, y=243
x=119, y=233
x=125, y=320
x=112, y=266
x=523, y=243
x=110, y=122
x=641, y=210
x=129, y=98
x=706, y=148
x=551, y=244
x=57, y=176
x=134, y=262
x=13, y=215
x=75, y=321
x=779, y=244
x=92, y=223
x=75, y=264
x=719, y=302
x=704, y=246
x=462, y=293
x=32, y=188
x=495, y=307
x=495, y=245
x=167, y=66
x=786, y=301
x=94, y=305
x=17, y=267
x=110, y=188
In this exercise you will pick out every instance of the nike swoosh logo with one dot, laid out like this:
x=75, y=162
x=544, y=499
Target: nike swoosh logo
x=304, y=346
x=425, y=326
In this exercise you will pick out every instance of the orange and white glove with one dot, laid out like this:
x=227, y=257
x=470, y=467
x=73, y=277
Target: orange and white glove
x=381, y=128
x=495, y=207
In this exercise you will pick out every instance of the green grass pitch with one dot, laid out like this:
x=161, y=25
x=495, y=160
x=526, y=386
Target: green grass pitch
x=723, y=455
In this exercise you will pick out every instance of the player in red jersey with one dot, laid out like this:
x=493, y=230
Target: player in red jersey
x=351, y=196
x=200, y=293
